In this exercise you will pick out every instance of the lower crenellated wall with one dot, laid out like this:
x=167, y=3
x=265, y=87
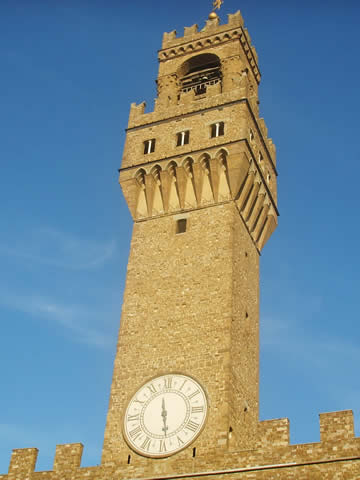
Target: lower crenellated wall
x=336, y=456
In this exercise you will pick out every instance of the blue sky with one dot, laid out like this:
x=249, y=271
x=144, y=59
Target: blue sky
x=70, y=70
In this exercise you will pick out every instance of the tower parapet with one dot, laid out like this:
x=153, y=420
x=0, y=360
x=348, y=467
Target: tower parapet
x=337, y=451
x=207, y=90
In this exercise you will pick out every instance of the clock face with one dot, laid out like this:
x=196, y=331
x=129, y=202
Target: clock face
x=165, y=415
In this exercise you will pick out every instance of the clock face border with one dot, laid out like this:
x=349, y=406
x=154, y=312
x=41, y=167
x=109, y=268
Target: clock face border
x=133, y=396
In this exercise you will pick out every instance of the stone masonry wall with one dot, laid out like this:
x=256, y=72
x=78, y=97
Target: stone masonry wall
x=336, y=457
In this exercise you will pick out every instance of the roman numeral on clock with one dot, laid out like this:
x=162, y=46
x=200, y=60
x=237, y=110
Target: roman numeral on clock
x=182, y=385
x=135, y=432
x=133, y=418
x=168, y=382
x=162, y=446
x=151, y=388
x=191, y=425
x=197, y=409
x=146, y=443
x=193, y=394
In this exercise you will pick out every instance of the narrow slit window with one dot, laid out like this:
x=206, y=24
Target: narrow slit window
x=252, y=135
x=217, y=129
x=261, y=158
x=149, y=146
x=181, y=226
x=183, y=138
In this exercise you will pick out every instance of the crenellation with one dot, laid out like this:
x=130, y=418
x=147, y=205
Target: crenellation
x=186, y=106
x=273, y=447
x=190, y=31
x=274, y=433
x=68, y=456
x=336, y=426
x=168, y=37
x=235, y=19
x=211, y=25
x=136, y=113
x=23, y=462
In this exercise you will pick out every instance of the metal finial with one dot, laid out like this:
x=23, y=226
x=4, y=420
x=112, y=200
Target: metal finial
x=216, y=6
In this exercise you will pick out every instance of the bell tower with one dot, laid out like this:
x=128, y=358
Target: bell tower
x=198, y=174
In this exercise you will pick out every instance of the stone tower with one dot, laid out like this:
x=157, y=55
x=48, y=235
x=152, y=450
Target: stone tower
x=198, y=174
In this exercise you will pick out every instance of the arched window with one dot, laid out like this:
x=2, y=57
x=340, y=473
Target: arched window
x=200, y=71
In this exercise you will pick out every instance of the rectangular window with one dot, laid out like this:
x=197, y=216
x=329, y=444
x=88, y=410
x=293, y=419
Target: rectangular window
x=181, y=226
x=261, y=158
x=149, y=146
x=217, y=129
x=183, y=138
x=252, y=135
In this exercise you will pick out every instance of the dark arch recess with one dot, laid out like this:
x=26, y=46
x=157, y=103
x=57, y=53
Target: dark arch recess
x=199, y=62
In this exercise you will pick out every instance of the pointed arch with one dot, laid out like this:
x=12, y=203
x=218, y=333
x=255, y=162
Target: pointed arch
x=188, y=164
x=155, y=172
x=157, y=197
x=222, y=153
x=189, y=194
x=171, y=168
x=140, y=176
x=204, y=161
x=207, y=195
x=224, y=192
x=141, y=205
x=174, y=202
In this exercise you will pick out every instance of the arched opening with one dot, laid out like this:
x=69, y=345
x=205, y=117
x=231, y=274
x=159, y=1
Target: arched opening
x=205, y=163
x=171, y=168
x=188, y=166
x=200, y=71
x=155, y=172
x=140, y=177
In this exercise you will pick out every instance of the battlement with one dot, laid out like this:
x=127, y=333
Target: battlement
x=334, y=427
x=212, y=35
x=23, y=461
x=211, y=26
x=337, y=443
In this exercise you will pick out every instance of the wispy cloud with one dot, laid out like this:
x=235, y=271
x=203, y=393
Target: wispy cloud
x=79, y=321
x=54, y=248
x=331, y=360
x=285, y=335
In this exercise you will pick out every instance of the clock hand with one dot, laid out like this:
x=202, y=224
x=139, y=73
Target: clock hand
x=164, y=415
